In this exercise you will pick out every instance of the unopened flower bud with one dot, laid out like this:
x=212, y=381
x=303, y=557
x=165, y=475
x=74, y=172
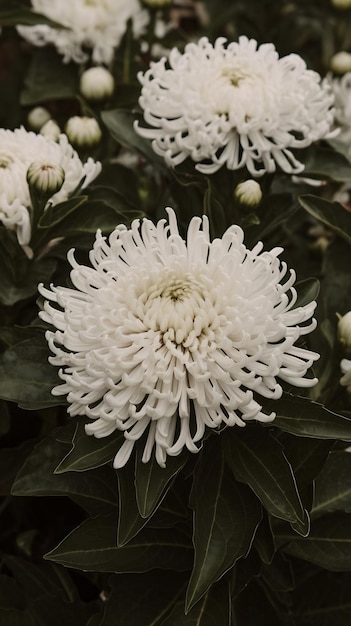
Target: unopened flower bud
x=45, y=178
x=249, y=193
x=97, y=83
x=340, y=63
x=342, y=4
x=83, y=132
x=37, y=117
x=51, y=130
x=344, y=331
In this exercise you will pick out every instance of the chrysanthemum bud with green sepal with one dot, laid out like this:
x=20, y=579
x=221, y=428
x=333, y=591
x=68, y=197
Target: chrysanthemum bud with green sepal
x=344, y=331
x=248, y=193
x=97, y=84
x=45, y=178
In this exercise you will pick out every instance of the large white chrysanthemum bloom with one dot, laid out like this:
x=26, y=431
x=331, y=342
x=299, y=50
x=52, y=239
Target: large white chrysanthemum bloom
x=98, y=25
x=236, y=106
x=167, y=336
x=18, y=150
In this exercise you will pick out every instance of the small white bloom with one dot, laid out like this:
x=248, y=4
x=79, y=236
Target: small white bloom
x=97, y=83
x=51, y=130
x=98, y=25
x=235, y=106
x=249, y=193
x=46, y=178
x=345, y=380
x=344, y=331
x=83, y=132
x=37, y=117
x=171, y=336
x=340, y=63
x=342, y=4
x=20, y=148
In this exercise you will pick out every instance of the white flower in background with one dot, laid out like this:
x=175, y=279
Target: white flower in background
x=170, y=336
x=345, y=380
x=97, y=83
x=83, y=132
x=340, y=63
x=51, y=130
x=249, y=193
x=37, y=117
x=235, y=106
x=98, y=25
x=344, y=331
x=18, y=150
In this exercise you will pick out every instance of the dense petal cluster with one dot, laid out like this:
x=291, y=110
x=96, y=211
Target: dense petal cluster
x=236, y=106
x=18, y=150
x=342, y=92
x=167, y=337
x=98, y=25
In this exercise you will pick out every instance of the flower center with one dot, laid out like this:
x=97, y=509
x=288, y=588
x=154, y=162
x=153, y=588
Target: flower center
x=5, y=161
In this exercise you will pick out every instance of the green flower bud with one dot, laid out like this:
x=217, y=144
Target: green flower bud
x=97, y=83
x=83, y=132
x=45, y=178
x=249, y=193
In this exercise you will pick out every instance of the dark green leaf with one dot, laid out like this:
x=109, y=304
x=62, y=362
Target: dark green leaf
x=26, y=377
x=325, y=600
x=19, y=276
x=114, y=199
x=326, y=164
x=278, y=575
x=11, y=461
x=141, y=599
x=257, y=459
x=93, y=547
x=88, y=452
x=48, y=78
x=153, y=481
x=54, y=214
x=307, y=456
x=264, y=541
x=299, y=416
x=120, y=123
x=328, y=544
x=244, y=571
x=16, y=14
x=37, y=477
x=333, y=485
x=129, y=519
x=214, y=609
x=307, y=291
x=226, y=515
x=333, y=214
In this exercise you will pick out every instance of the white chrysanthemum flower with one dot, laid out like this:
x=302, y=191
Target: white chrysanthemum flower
x=345, y=380
x=236, y=106
x=18, y=150
x=98, y=25
x=170, y=336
